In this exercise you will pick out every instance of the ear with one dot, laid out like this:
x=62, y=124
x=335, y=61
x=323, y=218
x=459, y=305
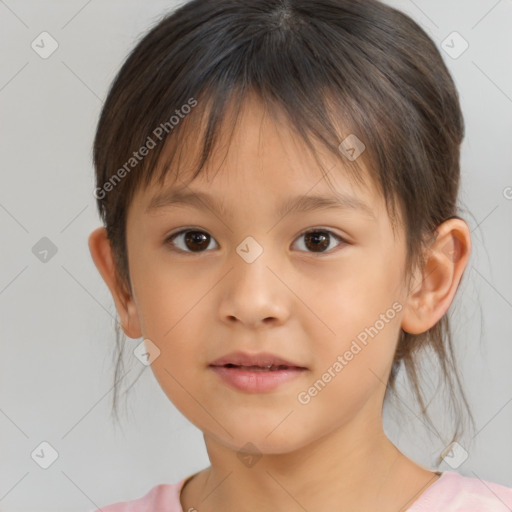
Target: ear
x=437, y=282
x=102, y=255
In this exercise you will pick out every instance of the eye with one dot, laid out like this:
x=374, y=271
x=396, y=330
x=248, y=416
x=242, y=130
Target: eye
x=319, y=239
x=195, y=241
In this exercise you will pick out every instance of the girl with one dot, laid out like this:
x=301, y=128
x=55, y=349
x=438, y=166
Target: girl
x=279, y=297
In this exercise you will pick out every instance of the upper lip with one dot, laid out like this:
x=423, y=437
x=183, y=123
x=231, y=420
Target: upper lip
x=259, y=359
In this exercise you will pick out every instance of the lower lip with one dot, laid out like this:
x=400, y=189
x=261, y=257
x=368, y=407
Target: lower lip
x=256, y=381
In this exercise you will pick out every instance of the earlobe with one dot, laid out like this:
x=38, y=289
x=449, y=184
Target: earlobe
x=437, y=282
x=102, y=255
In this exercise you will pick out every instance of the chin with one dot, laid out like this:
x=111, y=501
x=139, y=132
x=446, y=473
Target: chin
x=257, y=441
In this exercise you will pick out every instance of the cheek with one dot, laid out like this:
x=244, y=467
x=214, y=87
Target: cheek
x=350, y=375
x=180, y=367
x=167, y=294
x=357, y=337
x=170, y=308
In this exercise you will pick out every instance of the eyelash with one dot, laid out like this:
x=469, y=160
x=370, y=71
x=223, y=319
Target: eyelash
x=169, y=240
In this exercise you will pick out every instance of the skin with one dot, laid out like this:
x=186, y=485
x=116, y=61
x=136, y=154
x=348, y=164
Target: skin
x=331, y=453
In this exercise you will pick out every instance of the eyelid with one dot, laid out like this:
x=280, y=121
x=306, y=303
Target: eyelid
x=342, y=239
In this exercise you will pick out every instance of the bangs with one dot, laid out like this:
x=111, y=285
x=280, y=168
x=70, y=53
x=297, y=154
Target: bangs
x=214, y=121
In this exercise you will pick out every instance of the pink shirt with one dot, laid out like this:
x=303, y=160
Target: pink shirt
x=451, y=492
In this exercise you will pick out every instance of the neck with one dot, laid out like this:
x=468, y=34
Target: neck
x=340, y=471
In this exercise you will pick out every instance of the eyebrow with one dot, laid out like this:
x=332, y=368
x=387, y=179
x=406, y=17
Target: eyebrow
x=304, y=203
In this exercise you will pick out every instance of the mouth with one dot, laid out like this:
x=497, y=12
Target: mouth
x=269, y=368
x=255, y=362
x=258, y=373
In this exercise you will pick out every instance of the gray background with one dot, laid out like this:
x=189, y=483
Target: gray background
x=57, y=317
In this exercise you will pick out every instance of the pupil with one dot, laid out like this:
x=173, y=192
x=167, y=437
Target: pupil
x=319, y=239
x=193, y=237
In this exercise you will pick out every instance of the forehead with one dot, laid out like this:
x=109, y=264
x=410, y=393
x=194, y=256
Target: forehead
x=257, y=154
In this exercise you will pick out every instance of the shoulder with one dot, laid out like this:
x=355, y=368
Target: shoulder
x=453, y=492
x=162, y=497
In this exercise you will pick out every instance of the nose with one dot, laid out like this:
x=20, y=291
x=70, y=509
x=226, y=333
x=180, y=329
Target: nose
x=254, y=295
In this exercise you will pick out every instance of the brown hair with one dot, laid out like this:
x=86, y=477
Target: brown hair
x=318, y=62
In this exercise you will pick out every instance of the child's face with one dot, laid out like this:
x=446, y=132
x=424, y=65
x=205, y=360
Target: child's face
x=310, y=308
